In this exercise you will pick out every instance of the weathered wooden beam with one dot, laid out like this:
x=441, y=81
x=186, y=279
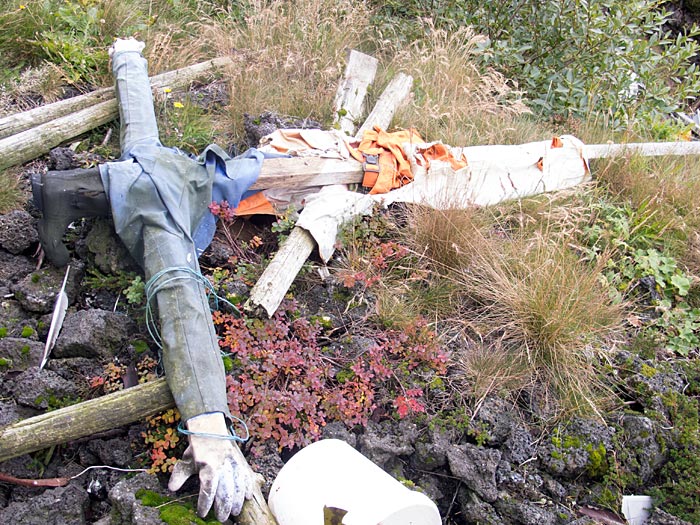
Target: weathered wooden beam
x=84, y=419
x=393, y=96
x=303, y=172
x=96, y=109
x=645, y=149
x=105, y=413
x=350, y=96
x=279, y=275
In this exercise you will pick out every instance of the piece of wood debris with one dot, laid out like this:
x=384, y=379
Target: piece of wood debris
x=350, y=96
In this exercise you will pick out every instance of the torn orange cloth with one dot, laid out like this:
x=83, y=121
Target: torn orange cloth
x=256, y=204
x=394, y=166
x=438, y=151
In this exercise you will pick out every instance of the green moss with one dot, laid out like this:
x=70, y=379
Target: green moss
x=597, y=465
x=25, y=350
x=3, y=331
x=5, y=362
x=648, y=371
x=35, y=278
x=149, y=498
x=170, y=512
x=140, y=347
x=323, y=321
x=27, y=331
x=228, y=363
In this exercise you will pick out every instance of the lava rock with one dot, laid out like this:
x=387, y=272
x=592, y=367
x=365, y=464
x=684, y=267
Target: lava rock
x=476, y=467
x=525, y=512
x=37, y=291
x=39, y=389
x=256, y=127
x=19, y=353
x=115, y=452
x=475, y=510
x=93, y=333
x=110, y=254
x=15, y=321
x=126, y=509
x=645, y=453
x=17, y=231
x=659, y=517
x=61, y=159
x=14, y=267
x=383, y=444
x=578, y=449
x=59, y=506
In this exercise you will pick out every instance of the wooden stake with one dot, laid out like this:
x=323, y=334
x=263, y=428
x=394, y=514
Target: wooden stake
x=350, y=97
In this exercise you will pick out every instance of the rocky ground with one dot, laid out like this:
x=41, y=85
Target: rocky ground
x=506, y=473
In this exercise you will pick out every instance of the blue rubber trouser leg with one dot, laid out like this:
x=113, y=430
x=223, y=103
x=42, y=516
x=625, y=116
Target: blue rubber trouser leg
x=136, y=112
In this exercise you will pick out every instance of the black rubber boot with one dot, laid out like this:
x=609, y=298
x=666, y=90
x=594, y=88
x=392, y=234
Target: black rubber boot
x=63, y=197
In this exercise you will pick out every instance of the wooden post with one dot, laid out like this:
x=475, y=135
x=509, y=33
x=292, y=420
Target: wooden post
x=350, y=97
x=392, y=97
x=51, y=125
x=648, y=149
x=105, y=413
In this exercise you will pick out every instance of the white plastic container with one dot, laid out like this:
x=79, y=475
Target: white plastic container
x=332, y=473
x=635, y=509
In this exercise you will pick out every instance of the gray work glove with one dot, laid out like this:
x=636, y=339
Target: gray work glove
x=222, y=482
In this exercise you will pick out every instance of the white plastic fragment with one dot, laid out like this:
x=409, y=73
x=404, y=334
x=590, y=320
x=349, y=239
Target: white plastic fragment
x=635, y=509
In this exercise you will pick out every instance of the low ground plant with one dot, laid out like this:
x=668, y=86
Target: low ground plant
x=287, y=386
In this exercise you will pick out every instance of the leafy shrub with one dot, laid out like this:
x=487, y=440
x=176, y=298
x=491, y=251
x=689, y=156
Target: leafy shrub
x=605, y=56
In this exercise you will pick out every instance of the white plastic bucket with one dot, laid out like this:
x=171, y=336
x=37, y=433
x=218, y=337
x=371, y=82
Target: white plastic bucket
x=635, y=509
x=331, y=473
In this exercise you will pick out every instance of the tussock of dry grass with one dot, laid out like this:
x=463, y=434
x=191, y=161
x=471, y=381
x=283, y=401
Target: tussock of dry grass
x=289, y=56
x=535, y=314
x=454, y=101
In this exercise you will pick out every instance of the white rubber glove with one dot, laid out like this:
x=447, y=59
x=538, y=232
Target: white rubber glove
x=126, y=44
x=222, y=482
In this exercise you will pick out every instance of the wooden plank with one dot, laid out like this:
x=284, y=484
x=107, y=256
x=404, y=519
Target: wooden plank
x=393, y=96
x=350, y=96
x=31, y=143
x=279, y=275
x=303, y=172
x=105, y=413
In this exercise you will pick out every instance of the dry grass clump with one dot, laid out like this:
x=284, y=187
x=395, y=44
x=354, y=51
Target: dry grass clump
x=535, y=314
x=456, y=102
x=289, y=55
x=12, y=194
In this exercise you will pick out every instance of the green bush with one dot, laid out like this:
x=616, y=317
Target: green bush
x=573, y=57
